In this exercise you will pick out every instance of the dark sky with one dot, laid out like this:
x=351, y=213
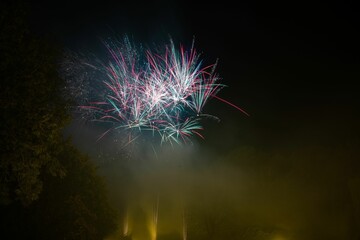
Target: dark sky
x=271, y=55
x=293, y=66
x=276, y=57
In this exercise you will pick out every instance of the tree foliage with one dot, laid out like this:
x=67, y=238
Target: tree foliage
x=48, y=189
x=72, y=207
x=32, y=110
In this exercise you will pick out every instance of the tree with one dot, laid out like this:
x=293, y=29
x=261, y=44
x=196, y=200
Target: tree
x=72, y=207
x=32, y=109
x=48, y=189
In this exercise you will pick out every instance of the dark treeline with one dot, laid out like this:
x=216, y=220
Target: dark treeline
x=48, y=189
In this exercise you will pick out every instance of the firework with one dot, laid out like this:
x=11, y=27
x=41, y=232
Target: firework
x=162, y=92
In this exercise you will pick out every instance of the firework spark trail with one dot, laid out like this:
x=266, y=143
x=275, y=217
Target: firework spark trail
x=154, y=227
x=162, y=92
x=184, y=225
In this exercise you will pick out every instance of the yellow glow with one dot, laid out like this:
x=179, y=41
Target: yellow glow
x=278, y=237
x=153, y=232
x=152, y=223
x=126, y=224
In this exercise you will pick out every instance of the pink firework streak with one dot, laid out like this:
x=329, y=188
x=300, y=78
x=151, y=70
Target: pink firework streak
x=163, y=93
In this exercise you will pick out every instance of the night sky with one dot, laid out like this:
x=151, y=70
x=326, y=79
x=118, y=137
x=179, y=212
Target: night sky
x=277, y=59
x=294, y=67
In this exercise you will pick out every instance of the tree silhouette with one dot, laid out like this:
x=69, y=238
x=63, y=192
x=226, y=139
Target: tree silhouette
x=32, y=109
x=48, y=189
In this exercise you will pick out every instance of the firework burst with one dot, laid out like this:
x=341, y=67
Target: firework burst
x=161, y=92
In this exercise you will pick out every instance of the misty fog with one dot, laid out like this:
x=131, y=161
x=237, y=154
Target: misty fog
x=302, y=185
